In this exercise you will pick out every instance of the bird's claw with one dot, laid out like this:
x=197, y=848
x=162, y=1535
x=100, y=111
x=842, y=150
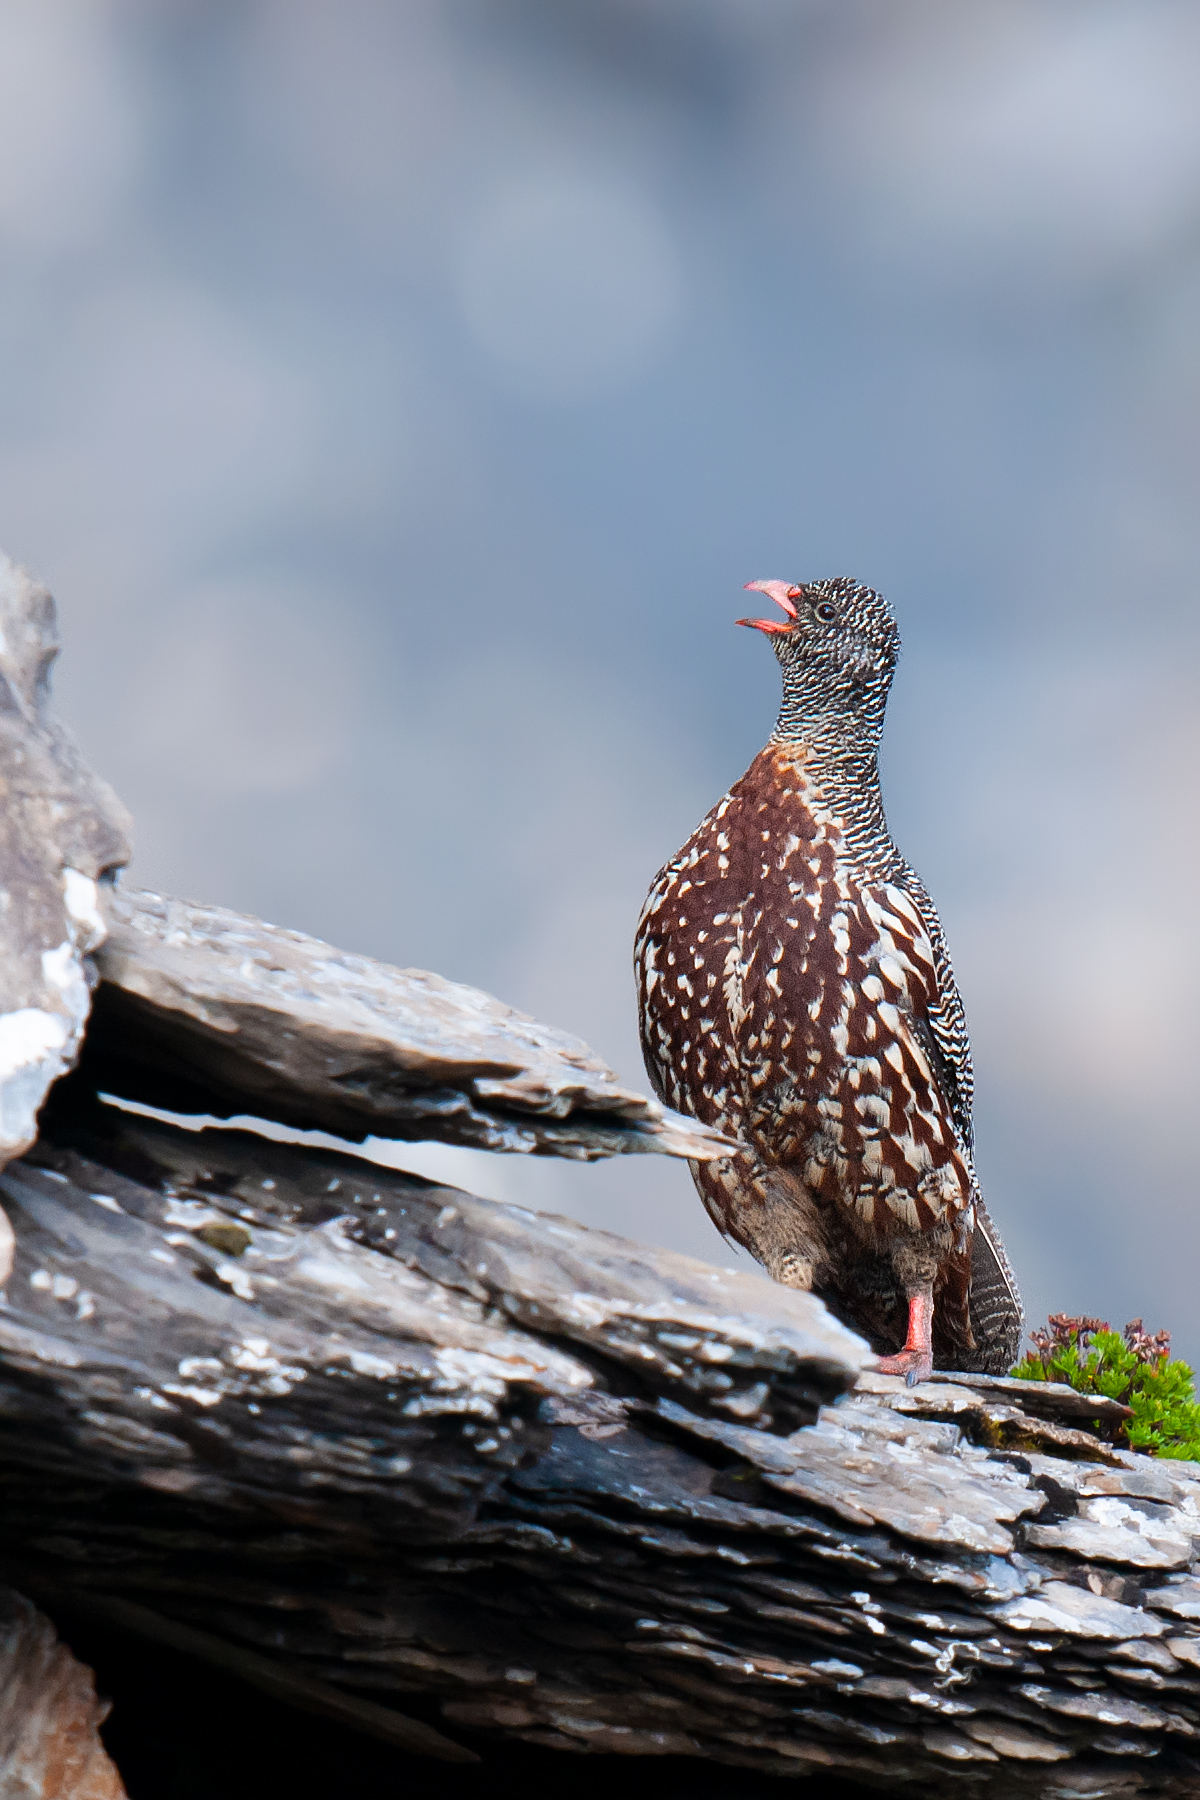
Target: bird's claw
x=914, y=1365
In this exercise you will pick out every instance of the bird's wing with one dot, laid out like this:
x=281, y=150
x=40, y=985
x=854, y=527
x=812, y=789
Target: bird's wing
x=943, y=1027
x=997, y=1314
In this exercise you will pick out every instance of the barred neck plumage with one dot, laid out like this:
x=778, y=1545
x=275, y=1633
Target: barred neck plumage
x=836, y=723
x=845, y=783
x=827, y=707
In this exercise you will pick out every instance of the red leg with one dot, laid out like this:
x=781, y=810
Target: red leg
x=915, y=1361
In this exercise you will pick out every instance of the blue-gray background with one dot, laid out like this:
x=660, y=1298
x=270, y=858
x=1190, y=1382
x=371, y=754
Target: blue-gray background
x=397, y=395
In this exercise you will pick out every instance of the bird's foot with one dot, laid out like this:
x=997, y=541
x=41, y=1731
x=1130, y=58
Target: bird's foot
x=914, y=1365
x=915, y=1361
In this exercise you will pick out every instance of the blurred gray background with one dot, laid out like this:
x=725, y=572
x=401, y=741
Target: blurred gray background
x=396, y=396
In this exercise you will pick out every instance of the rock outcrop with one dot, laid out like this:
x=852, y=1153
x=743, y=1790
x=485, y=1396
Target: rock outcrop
x=61, y=832
x=386, y=1449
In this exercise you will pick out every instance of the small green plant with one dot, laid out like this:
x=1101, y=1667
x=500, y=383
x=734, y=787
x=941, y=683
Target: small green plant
x=1134, y=1367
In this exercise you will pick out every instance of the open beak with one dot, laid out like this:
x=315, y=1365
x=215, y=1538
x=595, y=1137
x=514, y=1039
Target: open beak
x=784, y=594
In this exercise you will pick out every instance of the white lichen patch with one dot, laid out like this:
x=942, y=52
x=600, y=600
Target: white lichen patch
x=363, y=1363
x=236, y=1279
x=434, y=1405
x=254, y=1356
x=473, y=1370
x=83, y=909
x=38, y=1043
x=33, y=1053
x=153, y=1399
x=60, y=969
x=191, y=1214
x=201, y=1396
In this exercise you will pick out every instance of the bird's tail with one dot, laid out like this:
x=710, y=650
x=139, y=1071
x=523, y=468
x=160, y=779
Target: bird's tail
x=997, y=1316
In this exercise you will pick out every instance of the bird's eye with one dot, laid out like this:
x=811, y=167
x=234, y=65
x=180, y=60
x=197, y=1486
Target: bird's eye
x=826, y=612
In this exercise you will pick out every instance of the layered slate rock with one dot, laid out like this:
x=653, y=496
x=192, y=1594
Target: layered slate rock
x=201, y=1010
x=62, y=830
x=50, y=1718
x=412, y=1449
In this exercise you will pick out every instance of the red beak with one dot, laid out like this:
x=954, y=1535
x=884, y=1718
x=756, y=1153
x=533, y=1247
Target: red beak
x=784, y=594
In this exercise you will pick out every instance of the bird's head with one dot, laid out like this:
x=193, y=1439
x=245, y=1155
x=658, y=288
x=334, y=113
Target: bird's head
x=837, y=645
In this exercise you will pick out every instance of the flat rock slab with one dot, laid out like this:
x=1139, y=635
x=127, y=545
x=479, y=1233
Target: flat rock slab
x=1049, y=1399
x=981, y=1408
x=204, y=1010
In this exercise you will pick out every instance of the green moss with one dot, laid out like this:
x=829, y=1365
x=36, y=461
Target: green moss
x=1134, y=1367
x=227, y=1236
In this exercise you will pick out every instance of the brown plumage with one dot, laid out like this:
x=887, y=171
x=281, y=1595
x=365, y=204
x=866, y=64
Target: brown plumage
x=795, y=992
